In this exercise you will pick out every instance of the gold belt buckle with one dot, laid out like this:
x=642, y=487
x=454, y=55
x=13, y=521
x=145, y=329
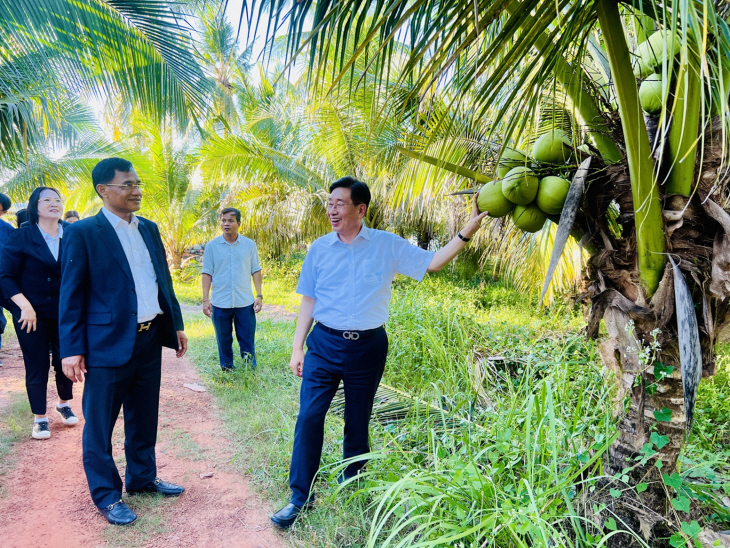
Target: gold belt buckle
x=144, y=327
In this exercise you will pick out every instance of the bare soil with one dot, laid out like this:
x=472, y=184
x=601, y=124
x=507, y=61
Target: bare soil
x=46, y=501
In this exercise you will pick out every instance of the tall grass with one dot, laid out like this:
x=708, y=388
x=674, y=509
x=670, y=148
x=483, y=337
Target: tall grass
x=512, y=455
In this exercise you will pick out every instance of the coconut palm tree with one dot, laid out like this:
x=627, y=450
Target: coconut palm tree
x=641, y=202
x=56, y=50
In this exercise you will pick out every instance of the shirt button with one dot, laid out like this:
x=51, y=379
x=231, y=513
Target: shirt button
x=49, y=279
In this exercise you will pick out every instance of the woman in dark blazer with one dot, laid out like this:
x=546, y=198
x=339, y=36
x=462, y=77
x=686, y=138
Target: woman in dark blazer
x=30, y=279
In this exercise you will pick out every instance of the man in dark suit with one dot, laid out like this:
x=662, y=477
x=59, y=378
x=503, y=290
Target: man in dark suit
x=117, y=310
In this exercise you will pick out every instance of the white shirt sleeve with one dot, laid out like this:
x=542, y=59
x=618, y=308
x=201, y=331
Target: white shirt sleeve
x=308, y=277
x=410, y=260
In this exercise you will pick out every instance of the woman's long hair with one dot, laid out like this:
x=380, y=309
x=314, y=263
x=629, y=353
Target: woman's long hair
x=35, y=197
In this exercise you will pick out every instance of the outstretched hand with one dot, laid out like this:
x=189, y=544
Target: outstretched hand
x=475, y=220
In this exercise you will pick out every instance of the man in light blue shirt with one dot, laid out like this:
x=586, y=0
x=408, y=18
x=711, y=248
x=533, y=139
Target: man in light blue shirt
x=345, y=286
x=229, y=263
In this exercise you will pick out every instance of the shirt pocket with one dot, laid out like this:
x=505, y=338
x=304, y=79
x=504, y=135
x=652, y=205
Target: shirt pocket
x=373, y=272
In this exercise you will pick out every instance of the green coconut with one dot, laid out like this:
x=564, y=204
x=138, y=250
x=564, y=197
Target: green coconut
x=492, y=200
x=511, y=158
x=551, y=194
x=528, y=217
x=650, y=53
x=650, y=94
x=553, y=148
x=520, y=185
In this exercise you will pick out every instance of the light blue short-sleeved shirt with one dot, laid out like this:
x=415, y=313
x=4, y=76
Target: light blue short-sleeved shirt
x=231, y=267
x=351, y=284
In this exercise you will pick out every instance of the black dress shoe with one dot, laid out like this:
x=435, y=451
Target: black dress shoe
x=118, y=513
x=284, y=518
x=159, y=486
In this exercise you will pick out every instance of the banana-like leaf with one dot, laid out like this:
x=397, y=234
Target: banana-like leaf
x=567, y=217
x=690, y=352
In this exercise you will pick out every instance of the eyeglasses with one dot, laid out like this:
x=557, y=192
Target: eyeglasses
x=339, y=204
x=128, y=186
x=47, y=201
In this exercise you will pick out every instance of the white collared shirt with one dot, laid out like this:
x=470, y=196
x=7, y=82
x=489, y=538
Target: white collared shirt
x=53, y=242
x=351, y=283
x=230, y=266
x=140, y=263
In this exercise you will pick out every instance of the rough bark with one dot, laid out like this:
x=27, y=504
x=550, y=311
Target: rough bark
x=697, y=230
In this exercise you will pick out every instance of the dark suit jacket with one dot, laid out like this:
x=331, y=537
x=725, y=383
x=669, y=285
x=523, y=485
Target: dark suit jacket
x=98, y=302
x=27, y=266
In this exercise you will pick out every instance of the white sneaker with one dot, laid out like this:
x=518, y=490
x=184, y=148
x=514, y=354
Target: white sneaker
x=41, y=431
x=67, y=416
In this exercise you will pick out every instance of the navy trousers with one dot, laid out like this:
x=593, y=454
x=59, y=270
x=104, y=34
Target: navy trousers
x=329, y=359
x=244, y=320
x=35, y=347
x=136, y=384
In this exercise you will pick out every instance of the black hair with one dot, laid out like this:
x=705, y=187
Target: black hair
x=32, y=209
x=5, y=202
x=359, y=191
x=21, y=216
x=232, y=210
x=71, y=213
x=105, y=170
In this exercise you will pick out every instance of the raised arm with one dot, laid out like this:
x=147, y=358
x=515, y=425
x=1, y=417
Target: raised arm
x=445, y=255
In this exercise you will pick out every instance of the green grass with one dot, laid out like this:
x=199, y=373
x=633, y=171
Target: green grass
x=529, y=390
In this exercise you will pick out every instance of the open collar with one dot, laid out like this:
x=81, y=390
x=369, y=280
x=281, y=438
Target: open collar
x=365, y=233
x=114, y=220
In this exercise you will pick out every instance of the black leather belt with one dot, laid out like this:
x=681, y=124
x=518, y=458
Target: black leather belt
x=351, y=335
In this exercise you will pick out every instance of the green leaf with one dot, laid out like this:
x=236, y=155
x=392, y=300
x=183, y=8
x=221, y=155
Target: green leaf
x=610, y=524
x=659, y=440
x=659, y=464
x=675, y=480
x=665, y=415
x=681, y=504
x=691, y=529
x=676, y=540
x=661, y=371
x=640, y=488
x=651, y=389
x=615, y=493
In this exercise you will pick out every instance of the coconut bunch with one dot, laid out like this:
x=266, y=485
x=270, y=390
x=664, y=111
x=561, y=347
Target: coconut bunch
x=518, y=191
x=647, y=64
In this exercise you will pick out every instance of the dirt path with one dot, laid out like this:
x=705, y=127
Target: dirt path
x=47, y=504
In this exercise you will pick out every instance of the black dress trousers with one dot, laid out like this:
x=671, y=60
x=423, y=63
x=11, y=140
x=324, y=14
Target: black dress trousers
x=136, y=384
x=35, y=355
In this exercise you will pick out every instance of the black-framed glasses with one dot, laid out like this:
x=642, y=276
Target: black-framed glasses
x=128, y=186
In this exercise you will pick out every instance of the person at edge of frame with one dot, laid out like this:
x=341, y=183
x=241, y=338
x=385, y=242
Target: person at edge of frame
x=118, y=310
x=5, y=229
x=30, y=280
x=345, y=284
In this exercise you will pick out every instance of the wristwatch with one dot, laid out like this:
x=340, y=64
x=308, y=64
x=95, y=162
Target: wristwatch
x=260, y=296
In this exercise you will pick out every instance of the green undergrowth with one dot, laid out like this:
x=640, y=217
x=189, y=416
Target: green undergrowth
x=520, y=415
